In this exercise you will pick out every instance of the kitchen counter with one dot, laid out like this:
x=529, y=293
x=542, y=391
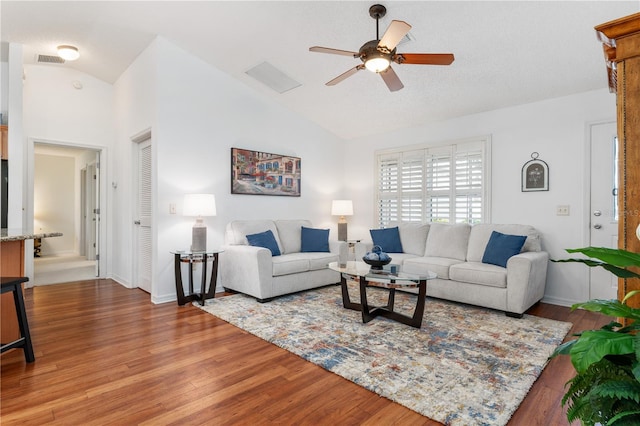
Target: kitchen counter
x=12, y=265
x=10, y=234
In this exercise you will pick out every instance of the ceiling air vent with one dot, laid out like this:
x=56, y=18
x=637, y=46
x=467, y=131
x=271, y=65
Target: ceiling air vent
x=49, y=59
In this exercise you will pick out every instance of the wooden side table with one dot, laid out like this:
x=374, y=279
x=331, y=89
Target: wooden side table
x=190, y=257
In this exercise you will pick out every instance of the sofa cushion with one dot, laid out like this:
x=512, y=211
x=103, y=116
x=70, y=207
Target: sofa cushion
x=290, y=234
x=314, y=240
x=479, y=273
x=320, y=260
x=388, y=239
x=421, y=265
x=480, y=234
x=264, y=239
x=292, y=263
x=448, y=241
x=501, y=247
x=413, y=237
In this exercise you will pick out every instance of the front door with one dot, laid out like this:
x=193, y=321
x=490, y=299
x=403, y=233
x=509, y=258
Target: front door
x=604, y=211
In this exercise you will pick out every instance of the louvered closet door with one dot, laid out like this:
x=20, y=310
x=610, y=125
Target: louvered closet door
x=142, y=271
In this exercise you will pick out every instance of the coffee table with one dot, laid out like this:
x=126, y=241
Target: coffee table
x=385, y=279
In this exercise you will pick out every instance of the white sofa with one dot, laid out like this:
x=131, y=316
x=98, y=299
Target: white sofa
x=455, y=253
x=256, y=272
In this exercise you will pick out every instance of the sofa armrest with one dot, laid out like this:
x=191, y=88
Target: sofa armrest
x=526, y=280
x=247, y=269
x=362, y=248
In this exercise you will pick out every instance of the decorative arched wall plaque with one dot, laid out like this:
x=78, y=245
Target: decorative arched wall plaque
x=535, y=174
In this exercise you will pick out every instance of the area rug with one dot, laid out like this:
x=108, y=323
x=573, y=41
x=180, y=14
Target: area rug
x=465, y=366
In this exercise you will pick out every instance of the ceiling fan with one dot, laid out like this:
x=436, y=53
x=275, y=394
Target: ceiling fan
x=378, y=54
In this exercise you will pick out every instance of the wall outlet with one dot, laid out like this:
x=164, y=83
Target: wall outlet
x=172, y=208
x=562, y=211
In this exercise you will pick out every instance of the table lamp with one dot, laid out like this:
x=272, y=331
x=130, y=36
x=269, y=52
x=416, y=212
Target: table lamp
x=342, y=208
x=199, y=205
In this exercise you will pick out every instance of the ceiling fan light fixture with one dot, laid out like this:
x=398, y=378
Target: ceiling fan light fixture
x=68, y=53
x=378, y=64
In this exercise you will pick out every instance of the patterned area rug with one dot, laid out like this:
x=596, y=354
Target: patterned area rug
x=465, y=366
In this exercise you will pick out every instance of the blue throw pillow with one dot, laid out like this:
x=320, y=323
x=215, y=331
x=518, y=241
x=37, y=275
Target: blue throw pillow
x=314, y=240
x=501, y=247
x=265, y=239
x=388, y=239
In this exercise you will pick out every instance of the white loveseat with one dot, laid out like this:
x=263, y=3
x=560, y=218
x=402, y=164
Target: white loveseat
x=255, y=271
x=455, y=253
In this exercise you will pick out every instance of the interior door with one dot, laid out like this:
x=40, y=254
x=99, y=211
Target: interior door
x=604, y=210
x=142, y=215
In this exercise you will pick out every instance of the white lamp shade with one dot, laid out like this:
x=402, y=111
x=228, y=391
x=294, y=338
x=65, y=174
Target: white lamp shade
x=68, y=53
x=342, y=208
x=199, y=205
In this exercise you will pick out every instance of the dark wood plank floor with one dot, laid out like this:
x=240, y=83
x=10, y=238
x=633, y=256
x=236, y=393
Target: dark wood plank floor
x=106, y=355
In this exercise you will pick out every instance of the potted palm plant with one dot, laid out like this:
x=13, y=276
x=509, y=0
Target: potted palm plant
x=606, y=387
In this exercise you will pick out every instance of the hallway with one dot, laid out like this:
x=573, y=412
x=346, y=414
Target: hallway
x=62, y=269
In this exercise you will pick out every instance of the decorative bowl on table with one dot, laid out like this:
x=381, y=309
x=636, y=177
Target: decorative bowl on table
x=376, y=258
x=376, y=264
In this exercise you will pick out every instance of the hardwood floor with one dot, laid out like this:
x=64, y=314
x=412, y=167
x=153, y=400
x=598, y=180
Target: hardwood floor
x=106, y=355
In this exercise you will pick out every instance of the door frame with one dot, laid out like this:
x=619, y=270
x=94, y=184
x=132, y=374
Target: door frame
x=586, y=214
x=30, y=169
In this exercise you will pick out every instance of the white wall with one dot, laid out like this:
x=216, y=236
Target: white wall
x=54, y=202
x=556, y=129
x=197, y=114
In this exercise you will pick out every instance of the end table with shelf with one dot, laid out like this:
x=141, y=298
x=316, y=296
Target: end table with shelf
x=194, y=257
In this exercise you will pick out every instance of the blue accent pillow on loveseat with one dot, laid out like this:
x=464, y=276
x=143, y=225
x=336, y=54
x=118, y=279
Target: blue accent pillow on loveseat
x=314, y=240
x=265, y=239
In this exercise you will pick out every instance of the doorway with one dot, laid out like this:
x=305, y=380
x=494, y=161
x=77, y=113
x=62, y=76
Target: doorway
x=603, y=212
x=66, y=199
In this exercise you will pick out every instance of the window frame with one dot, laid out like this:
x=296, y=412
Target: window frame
x=415, y=205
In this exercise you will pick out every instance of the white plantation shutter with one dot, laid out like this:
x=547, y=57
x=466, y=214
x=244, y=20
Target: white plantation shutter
x=446, y=184
x=387, y=200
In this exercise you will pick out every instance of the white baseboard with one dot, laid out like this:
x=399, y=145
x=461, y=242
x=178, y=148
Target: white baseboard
x=559, y=301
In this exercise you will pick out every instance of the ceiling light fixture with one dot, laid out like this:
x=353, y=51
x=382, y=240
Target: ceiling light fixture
x=68, y=53
x=377, y=64
x=374, y=59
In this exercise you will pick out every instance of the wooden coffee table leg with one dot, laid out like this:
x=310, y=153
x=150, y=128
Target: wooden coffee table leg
x=346, y=299
x=366, y=313
x=416, y=321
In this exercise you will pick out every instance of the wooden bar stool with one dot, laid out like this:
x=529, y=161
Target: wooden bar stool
x=14, y=284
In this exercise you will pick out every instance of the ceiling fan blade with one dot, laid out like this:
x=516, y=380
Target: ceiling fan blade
x=320, y=49
x=424, y=58
x=393, y=35
x=344, y=75
x=391, y=79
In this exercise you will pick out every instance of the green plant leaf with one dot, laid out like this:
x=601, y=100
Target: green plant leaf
x=615, y=270
x=622, y=419
x=617, y=257
x=563, y=349
x=612, y=308
x=594, y=345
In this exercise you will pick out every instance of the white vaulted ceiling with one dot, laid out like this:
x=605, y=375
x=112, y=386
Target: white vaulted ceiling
x=506, y=52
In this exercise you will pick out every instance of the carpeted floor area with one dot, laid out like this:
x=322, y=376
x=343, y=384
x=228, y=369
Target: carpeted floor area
x=62, y=269
x=465, y=366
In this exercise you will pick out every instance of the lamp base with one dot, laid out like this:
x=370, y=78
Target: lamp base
x=342, y=231
x=199, y=238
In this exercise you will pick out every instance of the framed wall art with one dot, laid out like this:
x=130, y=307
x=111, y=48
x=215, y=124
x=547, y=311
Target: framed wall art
x=263, y=173
x=535, y=174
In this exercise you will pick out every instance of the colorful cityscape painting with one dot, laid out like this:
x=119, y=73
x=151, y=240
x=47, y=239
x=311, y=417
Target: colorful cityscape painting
x=262, y=173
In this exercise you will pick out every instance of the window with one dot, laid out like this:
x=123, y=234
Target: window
x=448, y=184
